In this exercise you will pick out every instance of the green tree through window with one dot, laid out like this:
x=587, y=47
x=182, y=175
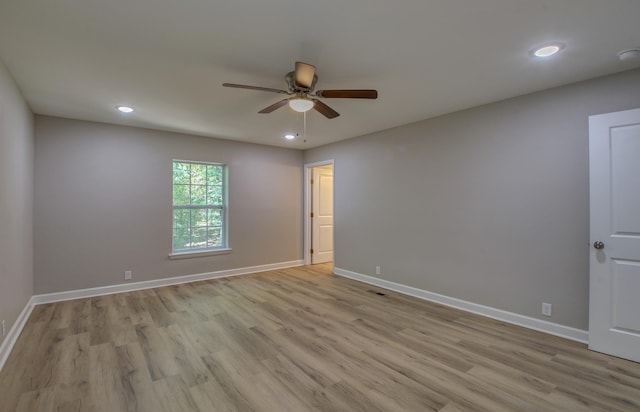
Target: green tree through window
x=199, y=216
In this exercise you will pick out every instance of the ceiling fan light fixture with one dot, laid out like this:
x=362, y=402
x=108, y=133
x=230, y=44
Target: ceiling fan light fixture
x=301, y=104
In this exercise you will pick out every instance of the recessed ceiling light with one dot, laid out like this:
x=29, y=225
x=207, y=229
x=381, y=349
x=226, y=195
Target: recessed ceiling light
x=125, y=109
x=289, y=136
x=631, y=54
x=547, y=50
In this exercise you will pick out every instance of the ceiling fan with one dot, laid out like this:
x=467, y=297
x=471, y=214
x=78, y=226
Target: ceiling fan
x=302, y=95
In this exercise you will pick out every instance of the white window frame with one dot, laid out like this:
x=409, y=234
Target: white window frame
x=202, y=251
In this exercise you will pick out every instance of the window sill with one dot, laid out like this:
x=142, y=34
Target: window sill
x=195, y=254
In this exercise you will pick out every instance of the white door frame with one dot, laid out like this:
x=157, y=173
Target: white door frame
x=307, y=207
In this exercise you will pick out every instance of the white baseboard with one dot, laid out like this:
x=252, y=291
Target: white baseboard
x=502, y=315
x=14, y=332
x=156, y=283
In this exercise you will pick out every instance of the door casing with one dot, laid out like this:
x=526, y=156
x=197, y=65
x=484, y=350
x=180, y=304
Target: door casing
x=307, y=206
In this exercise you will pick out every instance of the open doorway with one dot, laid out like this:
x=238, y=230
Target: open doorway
x=319, y=212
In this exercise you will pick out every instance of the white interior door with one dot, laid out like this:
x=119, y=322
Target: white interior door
x=614, y=162
x=322, y=212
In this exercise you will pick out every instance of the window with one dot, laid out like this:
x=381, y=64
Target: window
x=199, y=214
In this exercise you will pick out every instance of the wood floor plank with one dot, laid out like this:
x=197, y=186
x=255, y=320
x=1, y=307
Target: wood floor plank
x=188, y=359
x=137, y=388
x=99, y=325
x=38, y=400
x=137, y=310
x=299, y=339
x=175, y=395
x=71, y=376
x=305, y=358
x=266, y=393
x=160, y=360
x=224, y=388
x=348, y=398
x=294, y=378
x=159, y=313
x=105, y=384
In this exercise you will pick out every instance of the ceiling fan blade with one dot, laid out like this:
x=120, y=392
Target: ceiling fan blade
x=325, y=110
x=274, y=106
x=264, y=89
x=348, y=94
x=304, y=75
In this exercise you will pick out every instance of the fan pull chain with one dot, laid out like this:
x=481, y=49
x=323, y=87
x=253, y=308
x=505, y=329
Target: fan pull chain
x=304, y=127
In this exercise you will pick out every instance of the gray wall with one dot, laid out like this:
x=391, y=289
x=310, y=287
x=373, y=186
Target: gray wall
x=488, y=205
x=103, y=203
x=16, y=200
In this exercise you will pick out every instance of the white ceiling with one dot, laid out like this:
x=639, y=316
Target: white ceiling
x=168, y=59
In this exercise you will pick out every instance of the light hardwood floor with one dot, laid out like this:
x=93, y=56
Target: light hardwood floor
x=297, y=340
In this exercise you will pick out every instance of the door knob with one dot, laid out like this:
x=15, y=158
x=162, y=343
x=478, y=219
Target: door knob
x=598, y=244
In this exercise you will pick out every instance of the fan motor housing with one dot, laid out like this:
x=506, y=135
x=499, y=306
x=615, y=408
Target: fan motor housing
x=291, y=84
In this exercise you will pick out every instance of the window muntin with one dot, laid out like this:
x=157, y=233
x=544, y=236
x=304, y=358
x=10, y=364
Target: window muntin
x=199, y=213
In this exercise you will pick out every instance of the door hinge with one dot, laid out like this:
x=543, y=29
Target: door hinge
x=311, y=251
x=311, y=181
x=311, y=214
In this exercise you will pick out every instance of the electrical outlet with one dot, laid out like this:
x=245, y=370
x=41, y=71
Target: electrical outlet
x=546, y=309
x=127, y=275
x=3, y=331
x=378, y=270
